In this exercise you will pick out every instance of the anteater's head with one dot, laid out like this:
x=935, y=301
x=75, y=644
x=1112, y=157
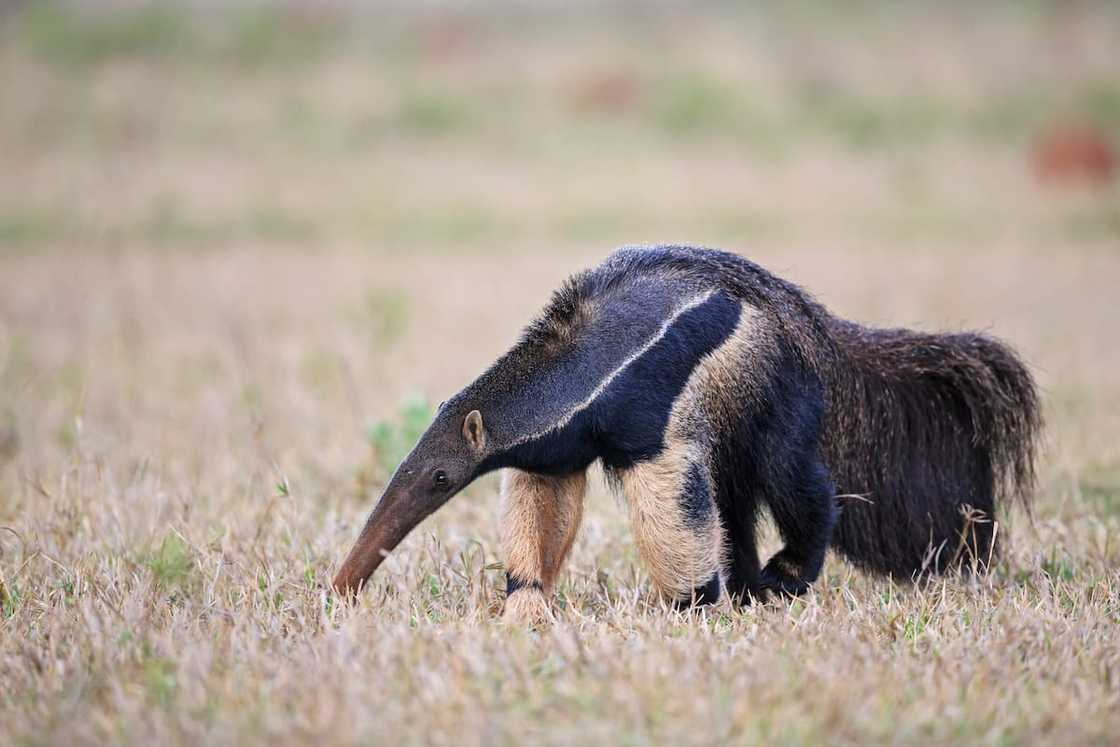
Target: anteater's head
x=445, y=460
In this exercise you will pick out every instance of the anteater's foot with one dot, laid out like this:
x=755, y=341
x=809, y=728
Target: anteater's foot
x=779, y=581
x=701, y=595
x=528, y=607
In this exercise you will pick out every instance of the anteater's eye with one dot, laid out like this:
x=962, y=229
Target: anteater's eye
x=440, y=478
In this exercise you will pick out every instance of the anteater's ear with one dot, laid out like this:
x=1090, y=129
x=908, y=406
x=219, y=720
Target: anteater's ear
x=474, y=431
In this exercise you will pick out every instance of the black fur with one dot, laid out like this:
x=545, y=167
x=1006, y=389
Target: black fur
x=701, y=595
x=626, y=422
x=514, y=584
x=948, y=424
x=696, y=499
x=929, y=432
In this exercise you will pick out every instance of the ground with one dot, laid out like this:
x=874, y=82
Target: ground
x=242, y=257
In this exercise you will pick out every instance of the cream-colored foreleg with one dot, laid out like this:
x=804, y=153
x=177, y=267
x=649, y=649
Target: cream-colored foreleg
x=540, y=517
x=675, y=522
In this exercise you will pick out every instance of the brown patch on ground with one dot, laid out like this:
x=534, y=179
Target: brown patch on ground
x=1075, y=154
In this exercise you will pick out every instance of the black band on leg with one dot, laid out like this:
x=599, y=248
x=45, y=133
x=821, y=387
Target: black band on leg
x=701, y=595
x=513, y=583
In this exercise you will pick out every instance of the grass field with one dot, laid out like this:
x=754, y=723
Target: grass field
x=242, y=254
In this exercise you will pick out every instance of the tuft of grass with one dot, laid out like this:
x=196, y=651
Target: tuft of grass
x=159, y=678
x=1058, y=566
x=9, y=600
x=171, y=563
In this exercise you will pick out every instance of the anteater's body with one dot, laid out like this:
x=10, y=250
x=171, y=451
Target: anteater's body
x=708, y=388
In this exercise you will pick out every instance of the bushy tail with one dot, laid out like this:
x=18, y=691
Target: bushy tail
x=926, y=434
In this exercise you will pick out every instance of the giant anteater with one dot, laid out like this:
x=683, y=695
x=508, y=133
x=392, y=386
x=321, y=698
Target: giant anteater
x=709, y=388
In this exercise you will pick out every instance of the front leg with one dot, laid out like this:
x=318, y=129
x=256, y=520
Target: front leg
x=540, y=517
x=676, y=524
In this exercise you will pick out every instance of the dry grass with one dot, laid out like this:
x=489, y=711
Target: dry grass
x=184, y=449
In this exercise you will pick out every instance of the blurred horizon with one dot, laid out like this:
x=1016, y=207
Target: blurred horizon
x=508, y=125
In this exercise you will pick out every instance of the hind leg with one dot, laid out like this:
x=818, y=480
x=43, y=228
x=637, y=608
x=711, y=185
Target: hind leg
x=804, y=509
x=744, y=582
x=676, y=525
x=540, y=517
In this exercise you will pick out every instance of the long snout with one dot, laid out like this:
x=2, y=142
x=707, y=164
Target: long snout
x=372, y=546
x=396, y=514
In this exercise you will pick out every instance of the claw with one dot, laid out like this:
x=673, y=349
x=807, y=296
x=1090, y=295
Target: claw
x=776, y=580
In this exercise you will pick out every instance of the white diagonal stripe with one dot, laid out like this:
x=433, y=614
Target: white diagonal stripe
x=609, y=378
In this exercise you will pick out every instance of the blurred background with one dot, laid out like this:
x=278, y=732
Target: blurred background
x=538, y=126
x=385, y=192
x=299, y=223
